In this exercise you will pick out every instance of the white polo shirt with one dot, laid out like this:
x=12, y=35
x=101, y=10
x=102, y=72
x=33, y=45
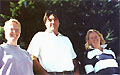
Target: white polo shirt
x=55, y=53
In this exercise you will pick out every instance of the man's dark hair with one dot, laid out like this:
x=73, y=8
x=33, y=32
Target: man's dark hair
x=47, y=14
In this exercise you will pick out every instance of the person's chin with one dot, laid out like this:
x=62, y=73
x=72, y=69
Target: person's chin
x=14, y=39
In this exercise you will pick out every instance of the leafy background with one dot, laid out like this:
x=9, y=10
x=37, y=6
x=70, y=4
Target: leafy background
x=76, y=18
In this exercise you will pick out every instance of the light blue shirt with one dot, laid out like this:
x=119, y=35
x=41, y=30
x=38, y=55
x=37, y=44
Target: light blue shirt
x=15, y=61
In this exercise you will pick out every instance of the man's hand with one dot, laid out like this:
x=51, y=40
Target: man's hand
x=76, y=69
x=37, y=68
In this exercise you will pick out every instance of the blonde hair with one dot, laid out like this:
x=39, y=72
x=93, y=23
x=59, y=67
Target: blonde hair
x=102, y=41
x=8, y=23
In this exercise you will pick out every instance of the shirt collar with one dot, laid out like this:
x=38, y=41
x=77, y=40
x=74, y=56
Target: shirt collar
x=103, y=46
x=5, y=44
x=48, y=31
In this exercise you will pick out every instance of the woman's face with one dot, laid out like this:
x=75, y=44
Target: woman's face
x=12, y=33
x=94, y=39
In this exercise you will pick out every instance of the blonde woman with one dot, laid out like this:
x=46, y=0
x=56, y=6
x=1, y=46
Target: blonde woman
x=13, y=59
x=98, y=59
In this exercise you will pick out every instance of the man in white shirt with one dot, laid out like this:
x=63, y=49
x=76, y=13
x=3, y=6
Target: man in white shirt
x=54, y=51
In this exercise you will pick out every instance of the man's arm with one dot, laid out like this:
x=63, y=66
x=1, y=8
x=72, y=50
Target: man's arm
x=37, y=68
x=76, y=67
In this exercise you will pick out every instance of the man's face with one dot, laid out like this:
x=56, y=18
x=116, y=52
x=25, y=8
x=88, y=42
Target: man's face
x=12, y=33
x=52, y=23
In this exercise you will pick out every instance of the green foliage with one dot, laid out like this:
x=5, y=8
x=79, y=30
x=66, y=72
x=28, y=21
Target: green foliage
x=74, y=15
x=4, y=16
x=2, y=34
x=110, y=36
x=1, y=30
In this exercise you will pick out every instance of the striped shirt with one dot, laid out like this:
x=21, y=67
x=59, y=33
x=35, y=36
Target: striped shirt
x=99, y=61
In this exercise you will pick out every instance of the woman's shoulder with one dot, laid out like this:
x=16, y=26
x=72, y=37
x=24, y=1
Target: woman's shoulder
x=87, y=51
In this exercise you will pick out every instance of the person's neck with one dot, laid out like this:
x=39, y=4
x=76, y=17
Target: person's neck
x=56, y=33
x=14, y=43
x=99, y=47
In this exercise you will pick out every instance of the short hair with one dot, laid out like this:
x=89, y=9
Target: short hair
x=47, y=14
x=7, y=23
x=102, y=41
